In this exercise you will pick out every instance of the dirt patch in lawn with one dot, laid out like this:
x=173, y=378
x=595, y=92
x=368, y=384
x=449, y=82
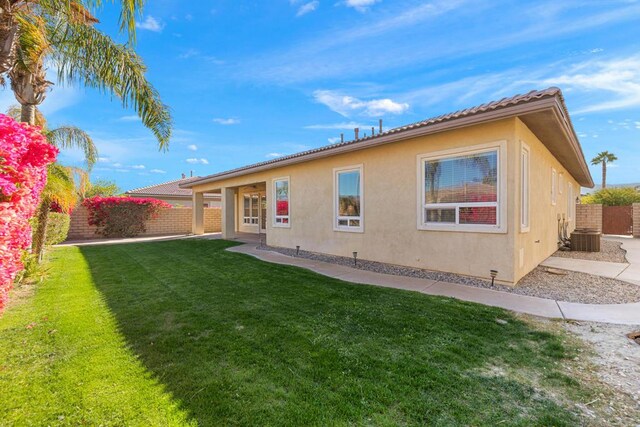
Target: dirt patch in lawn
x=606, y=361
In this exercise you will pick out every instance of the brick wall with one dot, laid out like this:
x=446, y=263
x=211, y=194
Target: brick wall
x=589, y=216
x=636, y=220
x=169, y=221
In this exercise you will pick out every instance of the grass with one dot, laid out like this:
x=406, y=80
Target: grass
x=185, y=333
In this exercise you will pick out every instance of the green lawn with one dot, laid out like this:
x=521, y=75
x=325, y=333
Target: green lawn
x=185, y=333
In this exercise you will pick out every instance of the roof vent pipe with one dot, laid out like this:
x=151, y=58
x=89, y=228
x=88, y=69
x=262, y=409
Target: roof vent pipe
x=380, y=122
x=191, y=174
x=183, y=176
x=342, y=137
x=373, y=131
x=356, y=130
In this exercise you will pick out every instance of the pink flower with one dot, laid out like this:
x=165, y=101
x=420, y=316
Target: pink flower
x=24, y=156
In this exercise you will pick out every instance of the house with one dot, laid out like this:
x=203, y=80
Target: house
x=468, y=192
x=172, y=193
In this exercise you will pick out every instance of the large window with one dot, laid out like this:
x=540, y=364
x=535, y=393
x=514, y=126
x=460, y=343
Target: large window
x=348, y=206
x=461, y=191
x=281, y=206
x=251, y=206
x=524, y=187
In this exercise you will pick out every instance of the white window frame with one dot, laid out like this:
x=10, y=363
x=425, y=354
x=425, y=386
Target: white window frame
x=525, y=188
x=554, y=186
x=500, y=147
x=560, y=182
x=336, y=218
x=250, y=220
x=277, y=217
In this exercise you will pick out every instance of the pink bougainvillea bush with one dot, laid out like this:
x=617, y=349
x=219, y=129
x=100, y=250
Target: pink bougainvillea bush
x=24, y=156
x=122, y=216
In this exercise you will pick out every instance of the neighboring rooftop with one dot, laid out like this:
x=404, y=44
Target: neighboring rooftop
x=168, y=189
x=543, y=111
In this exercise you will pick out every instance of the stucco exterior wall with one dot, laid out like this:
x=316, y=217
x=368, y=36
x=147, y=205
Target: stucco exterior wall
x=390, y=208
x=535, y=245
x=169, y=221
x=589, y=216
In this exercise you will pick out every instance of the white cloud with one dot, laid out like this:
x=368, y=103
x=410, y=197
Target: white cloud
x=338, y=126
x=150, y=23
x=226, y=122
x=189, y=53
x=132, y=118
x=637, y=125
x=333, y=140
x=192, y=147
x=360, y=5
x=275, y=155
x=104, y=159
x=195, y=161
x=138, y=166
x=604, y=84
x=348, y=105
x=307, y=8
x=117, y=165
x=157, y=171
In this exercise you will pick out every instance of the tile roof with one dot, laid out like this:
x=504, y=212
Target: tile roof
x=483, y=108
x=170, y=188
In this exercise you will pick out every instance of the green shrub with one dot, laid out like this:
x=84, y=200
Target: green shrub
x=57, y=228
x=122, y=216
x=623, y=196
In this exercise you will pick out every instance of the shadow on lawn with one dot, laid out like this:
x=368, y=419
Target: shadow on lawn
x=239, y=341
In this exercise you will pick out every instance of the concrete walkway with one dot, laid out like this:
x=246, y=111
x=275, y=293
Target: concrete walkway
x=121, y=240
x=608, y=313
x=627, y=272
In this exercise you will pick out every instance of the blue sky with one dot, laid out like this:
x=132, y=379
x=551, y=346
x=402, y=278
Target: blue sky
x=252, y=80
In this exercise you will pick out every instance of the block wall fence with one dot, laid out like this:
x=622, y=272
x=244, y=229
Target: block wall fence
x=169, y=221
x=589, y=216
x=636, y=220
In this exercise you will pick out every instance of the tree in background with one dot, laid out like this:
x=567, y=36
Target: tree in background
x=603, y=158
x=624, y=196
x=100, y=187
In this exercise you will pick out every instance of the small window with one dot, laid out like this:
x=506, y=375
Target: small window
x=524, y=188
x=560, y=182
x=281, y=206
x=554, y=186
x=571, y=204
x=461, y=191
x=250, y=209
x=348, y=199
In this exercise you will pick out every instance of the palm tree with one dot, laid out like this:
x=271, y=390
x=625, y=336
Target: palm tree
x=61, y=32
x=604, y=157
x=60, y=189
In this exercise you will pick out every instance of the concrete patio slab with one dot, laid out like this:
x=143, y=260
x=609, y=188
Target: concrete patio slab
x=598, y=268
x=627, y=314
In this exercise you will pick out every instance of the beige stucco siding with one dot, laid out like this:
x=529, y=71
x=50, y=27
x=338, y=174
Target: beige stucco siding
x=540, y=241
x=390, y=206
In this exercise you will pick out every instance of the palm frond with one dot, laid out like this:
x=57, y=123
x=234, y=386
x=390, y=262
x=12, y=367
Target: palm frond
x=73, y=137
x=60, y=187
x=84, y=54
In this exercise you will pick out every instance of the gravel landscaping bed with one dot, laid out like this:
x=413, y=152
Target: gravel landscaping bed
x=609, y=251
x=569, y=286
